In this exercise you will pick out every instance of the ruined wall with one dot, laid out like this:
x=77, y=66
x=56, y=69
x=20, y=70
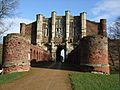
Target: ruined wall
x=91, y=54
x=92, y=28
x=66, y=30
x=77, y=28
x=29, y=30
x=16, y=53
x=74, y=56
x=45, y=28
x=94, y=53
x=71, y=31
x=39, y=54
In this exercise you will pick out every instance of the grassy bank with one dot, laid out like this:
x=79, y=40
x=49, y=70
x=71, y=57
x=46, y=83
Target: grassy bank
x=10, y=77
x=88, y=81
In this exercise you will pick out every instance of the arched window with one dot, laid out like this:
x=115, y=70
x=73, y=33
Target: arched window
x=37, y=56
x=60, y=32
x=34, y=55
x=46, y=32
x=31, y=54
x=57, y=32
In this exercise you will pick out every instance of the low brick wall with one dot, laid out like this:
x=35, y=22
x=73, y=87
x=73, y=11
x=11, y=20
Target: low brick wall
x=39, y=54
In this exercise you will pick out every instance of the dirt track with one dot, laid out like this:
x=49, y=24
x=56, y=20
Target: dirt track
x=49, y=78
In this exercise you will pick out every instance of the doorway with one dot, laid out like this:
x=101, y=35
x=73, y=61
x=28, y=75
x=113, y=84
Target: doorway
x=60, y=54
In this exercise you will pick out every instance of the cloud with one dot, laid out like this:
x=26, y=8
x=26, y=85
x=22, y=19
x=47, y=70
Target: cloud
x=106, y=9
x=14, y=24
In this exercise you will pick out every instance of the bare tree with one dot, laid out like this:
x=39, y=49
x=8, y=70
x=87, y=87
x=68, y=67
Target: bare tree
x=114, y=30
x=114, y=33
x=7, y=8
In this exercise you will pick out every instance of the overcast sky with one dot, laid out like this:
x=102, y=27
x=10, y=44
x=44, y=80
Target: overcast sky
x=96, y=9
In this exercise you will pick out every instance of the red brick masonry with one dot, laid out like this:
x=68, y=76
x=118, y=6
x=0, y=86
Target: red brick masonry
x=92, y=54
x=18, y=53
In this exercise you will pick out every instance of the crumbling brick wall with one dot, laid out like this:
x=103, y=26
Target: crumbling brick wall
x=92, y=54
x=92, y=28
x=39, y=54
x=18, y=52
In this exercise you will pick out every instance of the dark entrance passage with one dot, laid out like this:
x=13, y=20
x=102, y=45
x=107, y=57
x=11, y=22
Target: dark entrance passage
x=60, y=54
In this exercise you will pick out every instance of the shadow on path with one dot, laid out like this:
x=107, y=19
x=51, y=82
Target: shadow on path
x=55, y=65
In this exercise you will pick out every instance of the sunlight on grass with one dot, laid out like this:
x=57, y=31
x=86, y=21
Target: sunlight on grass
x=10, y=77
x=88, y=81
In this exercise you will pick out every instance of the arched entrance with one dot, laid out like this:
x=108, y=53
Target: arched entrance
x=60, y=54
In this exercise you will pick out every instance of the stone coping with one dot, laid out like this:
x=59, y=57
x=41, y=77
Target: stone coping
x=96, y=65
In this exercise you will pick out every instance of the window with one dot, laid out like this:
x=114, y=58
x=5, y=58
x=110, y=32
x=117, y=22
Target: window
x=46, y=32
x=70, y=40
x=73, y=31
x=60, y=32
x=56, y=32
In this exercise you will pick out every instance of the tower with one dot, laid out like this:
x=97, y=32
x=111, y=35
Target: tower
x=53, y=47
x=39, y=21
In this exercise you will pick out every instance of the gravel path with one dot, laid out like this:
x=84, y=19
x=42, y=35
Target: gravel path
x=49, y=78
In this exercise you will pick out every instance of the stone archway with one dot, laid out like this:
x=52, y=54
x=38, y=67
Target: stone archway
x=60, y=54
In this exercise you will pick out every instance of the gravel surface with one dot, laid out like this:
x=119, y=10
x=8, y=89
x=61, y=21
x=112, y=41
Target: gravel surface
x=42, y=78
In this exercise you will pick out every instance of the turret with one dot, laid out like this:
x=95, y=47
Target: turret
x=22, y=28
x=53, y=51
x=83, y=24
x=39, y=20
x=102, y=27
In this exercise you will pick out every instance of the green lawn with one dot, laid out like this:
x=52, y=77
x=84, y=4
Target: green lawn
x=10, y=77
x=88, y=81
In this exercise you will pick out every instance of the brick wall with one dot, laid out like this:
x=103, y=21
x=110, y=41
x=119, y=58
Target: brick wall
x=15, y=53
x=92, y=28
x=18, y=52
x=92, y=54
x=39, y=54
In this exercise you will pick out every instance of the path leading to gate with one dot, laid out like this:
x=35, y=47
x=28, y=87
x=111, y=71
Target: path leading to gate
x=43, y=78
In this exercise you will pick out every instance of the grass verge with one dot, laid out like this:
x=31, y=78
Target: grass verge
x=88, y=81
x=10, y=77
